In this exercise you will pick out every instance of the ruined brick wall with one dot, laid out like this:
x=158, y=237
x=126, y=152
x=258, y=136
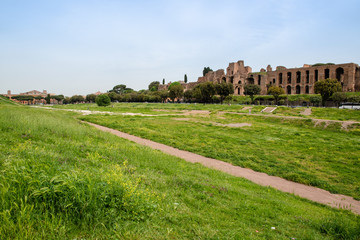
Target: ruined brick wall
x=293, y=81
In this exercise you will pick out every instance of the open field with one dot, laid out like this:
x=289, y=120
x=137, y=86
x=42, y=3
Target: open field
x=160, y=109
x=63, y=179
x=293, y=149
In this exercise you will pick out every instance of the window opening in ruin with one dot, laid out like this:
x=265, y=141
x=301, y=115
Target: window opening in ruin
x=289, y=77
x=224, y=80
x=280, y=78
x=307, y=76
x=239, y=82
x=232, y=79
x=316, y=75
x=307, y=89
x=288, y=90
x=274, y=80
x=238, y=91
x=339, y=74
x=298, y=77
x=259, y=79
x=297, y=89
x=250, y=80
x=327, y=73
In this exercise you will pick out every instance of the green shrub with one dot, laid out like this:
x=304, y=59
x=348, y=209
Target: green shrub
x=103, y=100
x=354, y=99
x=315, y=100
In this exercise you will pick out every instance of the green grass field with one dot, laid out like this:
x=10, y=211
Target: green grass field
x=293, y=149
x=62, y=179
x=169, y=108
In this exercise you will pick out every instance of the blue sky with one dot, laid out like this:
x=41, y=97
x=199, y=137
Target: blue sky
x=82, y=46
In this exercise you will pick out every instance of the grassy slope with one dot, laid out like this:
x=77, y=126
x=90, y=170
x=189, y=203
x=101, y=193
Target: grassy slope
x=292, y=149
x=175, y=199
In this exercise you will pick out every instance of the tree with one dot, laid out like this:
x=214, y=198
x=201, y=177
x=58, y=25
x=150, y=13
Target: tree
x=76, y=99
x=188, y=95
x=58, y=98
x=66, y=100
x=276, y=92
x=315, y=100
x=206, y=70
x=90, y=98
x=119, y=89
x=224, y=90
x=251, y=90
x=204, y=92
x=154, y=86
x=326, y=88
x=164, y=95
x=47, y=99
x=113, y=96
x=339, y=97
x=103, y=100
x=163, y=81
x=185, y=78
x=175, y=91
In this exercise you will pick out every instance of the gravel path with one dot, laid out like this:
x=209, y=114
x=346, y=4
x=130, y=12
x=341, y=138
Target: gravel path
x=304, y=191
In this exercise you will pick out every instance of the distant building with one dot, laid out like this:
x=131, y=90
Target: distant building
x=37, y=97
x=292, y=80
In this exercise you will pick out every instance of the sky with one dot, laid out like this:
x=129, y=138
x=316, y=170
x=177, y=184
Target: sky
x=83, y=46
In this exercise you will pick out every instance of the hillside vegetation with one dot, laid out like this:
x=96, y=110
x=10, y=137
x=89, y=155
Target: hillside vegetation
x=62, y=179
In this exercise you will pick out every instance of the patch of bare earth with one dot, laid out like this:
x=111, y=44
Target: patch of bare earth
x=306, y=112
x=235, y=125
x=308, y=192
x=196, y=112
x=182, y=119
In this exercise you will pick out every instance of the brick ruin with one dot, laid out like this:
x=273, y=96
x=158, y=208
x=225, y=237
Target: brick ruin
x=292, y=80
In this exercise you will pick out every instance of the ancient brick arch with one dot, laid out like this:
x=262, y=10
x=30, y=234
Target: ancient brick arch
x=288, y=89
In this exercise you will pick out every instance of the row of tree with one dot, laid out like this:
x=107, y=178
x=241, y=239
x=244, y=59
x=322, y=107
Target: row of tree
x=207, y=92
x=48, y=98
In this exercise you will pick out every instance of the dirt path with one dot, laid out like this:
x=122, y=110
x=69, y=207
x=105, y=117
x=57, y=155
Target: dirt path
x=308, y=192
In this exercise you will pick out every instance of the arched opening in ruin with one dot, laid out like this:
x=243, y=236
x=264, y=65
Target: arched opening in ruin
x=250, y=80
x=316, y=75
x=259, y=79
x=289, y=77
x=232, y=79
x=340, y=74
x=307, y=89
x=280, y=78
x=297, y=89
x=274, y=81
x=327, y=73
x=298, y=77
x=307, y=76
x=288, y=89
x=239, y=82
x=238, y=90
